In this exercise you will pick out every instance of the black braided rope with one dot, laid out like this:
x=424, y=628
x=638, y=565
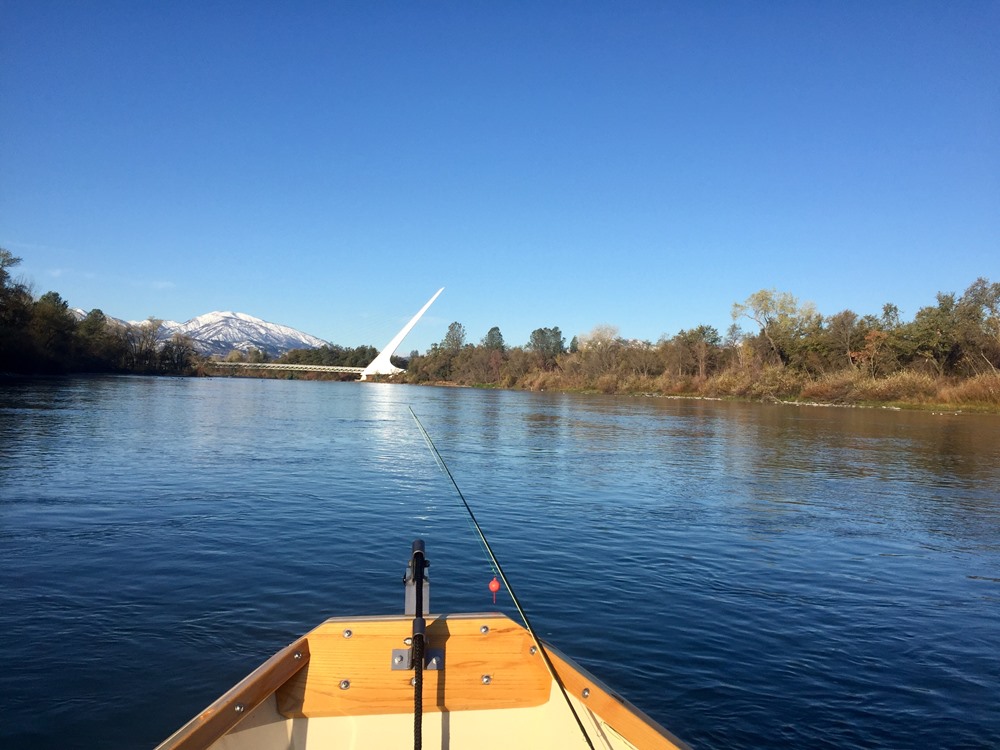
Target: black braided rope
x=419, y=563
x=418, y=690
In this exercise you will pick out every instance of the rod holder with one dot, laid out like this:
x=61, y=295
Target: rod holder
x=410, y=585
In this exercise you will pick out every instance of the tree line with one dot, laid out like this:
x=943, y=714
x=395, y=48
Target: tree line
x=776, y=348
x=44, y=336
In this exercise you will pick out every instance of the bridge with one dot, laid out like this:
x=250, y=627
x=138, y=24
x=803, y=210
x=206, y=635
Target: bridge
x=291, y=368
x=381, y=365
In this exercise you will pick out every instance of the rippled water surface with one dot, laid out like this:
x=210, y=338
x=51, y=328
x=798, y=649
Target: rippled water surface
x=751, y=576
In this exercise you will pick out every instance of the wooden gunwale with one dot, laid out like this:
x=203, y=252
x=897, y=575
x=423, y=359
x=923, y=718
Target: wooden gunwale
x=609, y=709
x=236, y=703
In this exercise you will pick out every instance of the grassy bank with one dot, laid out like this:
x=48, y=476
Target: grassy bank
x=849, y=387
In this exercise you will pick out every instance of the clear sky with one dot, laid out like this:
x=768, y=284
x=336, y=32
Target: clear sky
x=329, y=165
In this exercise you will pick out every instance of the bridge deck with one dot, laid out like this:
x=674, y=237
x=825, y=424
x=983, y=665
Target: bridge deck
x=296, y=368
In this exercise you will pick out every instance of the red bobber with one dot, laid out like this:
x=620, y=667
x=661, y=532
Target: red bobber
x=494, y=587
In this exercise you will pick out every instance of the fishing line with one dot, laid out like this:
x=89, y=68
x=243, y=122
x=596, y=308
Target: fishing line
x=499, y=571
x=471, y=518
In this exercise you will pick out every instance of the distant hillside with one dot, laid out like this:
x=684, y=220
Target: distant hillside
x=218, y=333
x=222, y=332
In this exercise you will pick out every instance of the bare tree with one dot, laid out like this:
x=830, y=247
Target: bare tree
x=142, y=343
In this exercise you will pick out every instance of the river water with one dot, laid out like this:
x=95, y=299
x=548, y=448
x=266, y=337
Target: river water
x=752, y=576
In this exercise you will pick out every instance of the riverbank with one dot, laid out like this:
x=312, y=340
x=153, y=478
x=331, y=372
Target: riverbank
x=902, y=390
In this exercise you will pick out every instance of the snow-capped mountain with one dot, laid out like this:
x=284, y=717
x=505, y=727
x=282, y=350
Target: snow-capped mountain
x=222, y=332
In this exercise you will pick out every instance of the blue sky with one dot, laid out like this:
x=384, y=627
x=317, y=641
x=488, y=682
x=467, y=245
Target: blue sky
x=329, y=165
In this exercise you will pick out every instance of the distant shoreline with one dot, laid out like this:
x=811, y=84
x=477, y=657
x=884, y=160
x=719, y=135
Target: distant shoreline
x=931, y=406
x=935, y=408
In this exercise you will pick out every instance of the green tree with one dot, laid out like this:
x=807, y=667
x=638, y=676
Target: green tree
x=494, y=340
x=978, y=319
x=454, y=339
x=99, y=343
x=843, y=337
x=7, y=261
x=434, y=366
x=52, y=329
x=886, y=342
x=17, y=352
x=700, y=347
x=359, y=356
x=546, y=344
x=933, y=334
x=703, y=343
x=781, y=320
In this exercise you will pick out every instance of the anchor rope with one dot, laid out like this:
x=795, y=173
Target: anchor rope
x=499, y=571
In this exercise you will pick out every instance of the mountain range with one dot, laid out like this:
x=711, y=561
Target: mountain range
x=218, y=333
x=222, y=332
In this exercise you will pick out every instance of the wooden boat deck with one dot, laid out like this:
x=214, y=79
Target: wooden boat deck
x=336, y=688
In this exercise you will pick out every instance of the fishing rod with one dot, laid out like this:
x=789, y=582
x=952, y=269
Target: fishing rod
x=499, y=570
